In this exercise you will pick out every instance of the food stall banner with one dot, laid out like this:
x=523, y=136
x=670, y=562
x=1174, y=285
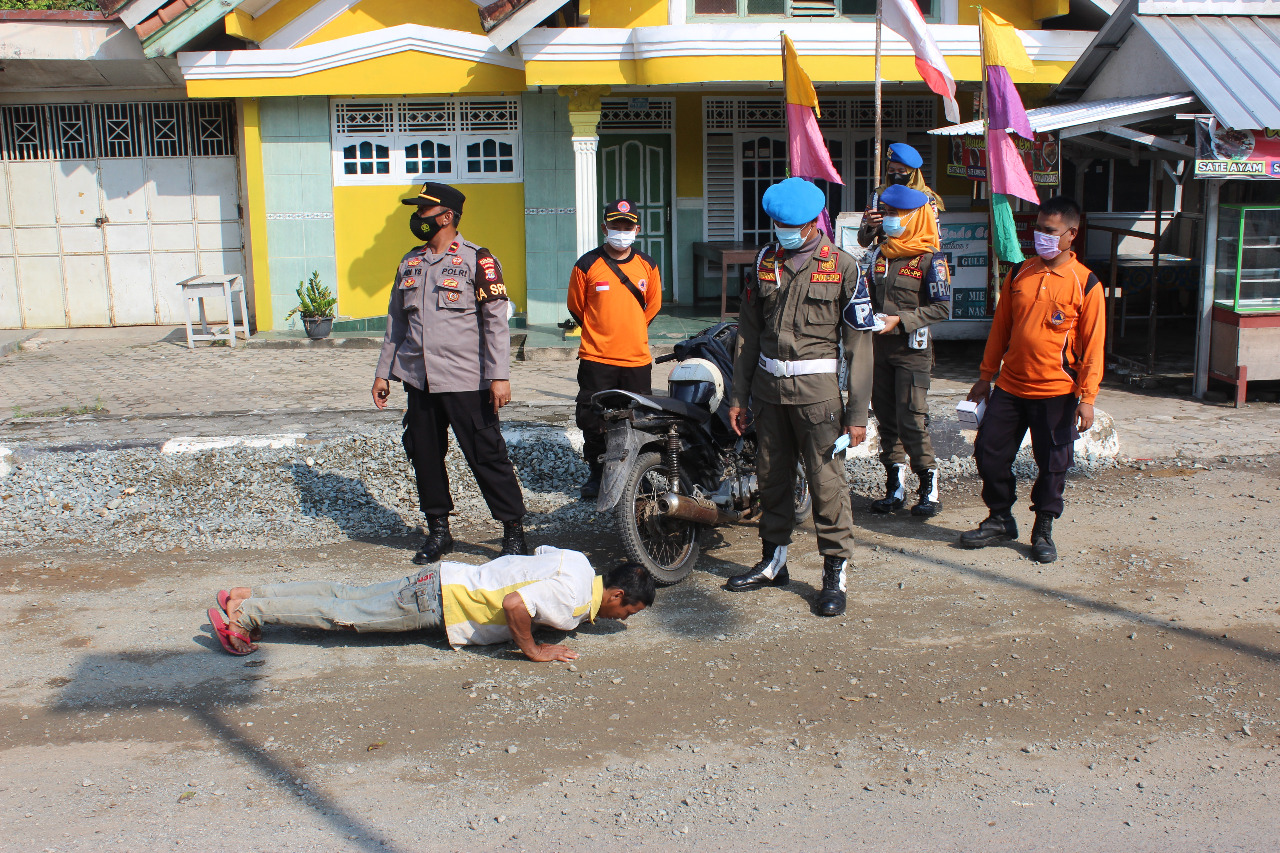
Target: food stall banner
x=964, y=239
x=968, y=158
x=1223, y=152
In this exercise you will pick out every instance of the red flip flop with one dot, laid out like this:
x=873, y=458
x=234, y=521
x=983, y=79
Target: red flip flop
x=223, y=597
x=225, y=632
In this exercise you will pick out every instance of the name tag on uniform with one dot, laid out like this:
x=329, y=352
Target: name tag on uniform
x=826, y=277
x=600, y=287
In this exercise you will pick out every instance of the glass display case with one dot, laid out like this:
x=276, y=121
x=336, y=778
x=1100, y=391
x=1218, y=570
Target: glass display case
x=1248, y=262
x=1244, y=343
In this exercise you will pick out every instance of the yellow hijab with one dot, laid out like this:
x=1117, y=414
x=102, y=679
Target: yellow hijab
x=920, y=234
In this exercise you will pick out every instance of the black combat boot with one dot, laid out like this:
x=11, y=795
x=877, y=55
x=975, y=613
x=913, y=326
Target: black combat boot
x=996, y=527
x=771, y=571
x=895, y=492
x=1042, y=548
x=831, y=600
x=591, y=488
x=438, y=542
x=929, y=503
x=513, y=543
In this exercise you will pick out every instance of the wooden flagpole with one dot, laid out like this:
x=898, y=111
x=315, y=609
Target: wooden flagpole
x=879, y=98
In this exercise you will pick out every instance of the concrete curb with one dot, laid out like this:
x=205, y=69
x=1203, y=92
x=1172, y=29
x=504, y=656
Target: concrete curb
x=16, y=342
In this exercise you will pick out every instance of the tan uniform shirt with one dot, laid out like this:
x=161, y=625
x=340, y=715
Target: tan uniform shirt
x=791, y=314
x=447, y=320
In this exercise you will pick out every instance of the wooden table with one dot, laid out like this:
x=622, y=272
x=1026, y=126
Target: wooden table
x=223, y=288
x=724, y=255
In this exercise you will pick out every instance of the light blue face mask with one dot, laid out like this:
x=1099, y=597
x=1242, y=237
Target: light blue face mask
x=789, y=238
x=892, y=226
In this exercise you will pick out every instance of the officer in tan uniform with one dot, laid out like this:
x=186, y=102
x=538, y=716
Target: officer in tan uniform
x=448, y=341
x=910, y=289
x=806, y=301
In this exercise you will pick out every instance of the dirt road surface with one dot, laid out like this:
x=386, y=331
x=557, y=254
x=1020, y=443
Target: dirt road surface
x=1124, y=698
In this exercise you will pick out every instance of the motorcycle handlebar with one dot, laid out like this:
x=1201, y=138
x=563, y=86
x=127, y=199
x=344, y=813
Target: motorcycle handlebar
x=663, y=359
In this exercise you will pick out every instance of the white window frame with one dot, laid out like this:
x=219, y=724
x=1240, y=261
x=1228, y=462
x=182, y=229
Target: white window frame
x=459, y=125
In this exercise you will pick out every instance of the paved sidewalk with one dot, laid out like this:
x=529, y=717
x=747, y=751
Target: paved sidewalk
x=88, y=385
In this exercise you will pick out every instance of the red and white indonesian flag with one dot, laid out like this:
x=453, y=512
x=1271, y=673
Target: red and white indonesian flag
x=903, y=17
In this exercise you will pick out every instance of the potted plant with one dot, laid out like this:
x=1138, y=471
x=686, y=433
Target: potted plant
x=315, y=304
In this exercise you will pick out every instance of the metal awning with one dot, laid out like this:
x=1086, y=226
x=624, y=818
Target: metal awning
x=1231, y=62
x=1094, y=115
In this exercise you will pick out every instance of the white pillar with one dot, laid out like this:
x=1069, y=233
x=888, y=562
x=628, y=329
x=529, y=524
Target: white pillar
x=586, y=192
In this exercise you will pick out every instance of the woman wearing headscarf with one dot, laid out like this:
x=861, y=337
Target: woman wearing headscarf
x=903, y=169
x=910, y=291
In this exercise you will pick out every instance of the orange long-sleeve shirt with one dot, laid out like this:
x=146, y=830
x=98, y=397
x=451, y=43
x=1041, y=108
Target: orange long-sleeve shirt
x=615, y=329
x=1047, y=335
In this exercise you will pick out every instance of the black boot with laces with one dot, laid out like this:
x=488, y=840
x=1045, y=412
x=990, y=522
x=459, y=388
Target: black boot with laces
x=438, y=542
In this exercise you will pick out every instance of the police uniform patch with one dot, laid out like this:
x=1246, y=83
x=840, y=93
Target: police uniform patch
x=452, y=296
x=826, y=277
x=762, y=275
x=828, y=265
x=882, y=266
x=450, y=283
x=824, y=252
x=413, y=262
x=911, y=269
x=492, y=287
x=456, y=260
x=453, y=248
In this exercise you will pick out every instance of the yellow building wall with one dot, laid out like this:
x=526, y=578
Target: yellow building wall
x=1016, y=12
x=386, y=75
x=371, y=235
x=255, y=207
x=369, y=15
x=688, y=145
x=628, y=13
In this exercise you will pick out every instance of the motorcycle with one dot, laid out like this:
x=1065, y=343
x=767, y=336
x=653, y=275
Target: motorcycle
x=674, y=467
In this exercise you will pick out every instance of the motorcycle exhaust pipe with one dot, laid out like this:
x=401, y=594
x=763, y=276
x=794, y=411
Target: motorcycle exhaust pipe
x=688, y=508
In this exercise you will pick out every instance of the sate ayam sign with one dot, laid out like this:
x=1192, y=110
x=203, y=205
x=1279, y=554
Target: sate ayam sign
x=968, y=158
x=1223, y=152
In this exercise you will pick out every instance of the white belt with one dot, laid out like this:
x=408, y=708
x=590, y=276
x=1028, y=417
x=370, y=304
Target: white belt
x=799, y=368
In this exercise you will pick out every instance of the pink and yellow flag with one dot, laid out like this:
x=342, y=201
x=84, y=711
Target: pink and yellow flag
x=1002, y=50
x=809, y=156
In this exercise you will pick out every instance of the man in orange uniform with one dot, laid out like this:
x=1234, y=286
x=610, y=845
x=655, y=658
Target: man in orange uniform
x=1046, y=341
x=615, y=291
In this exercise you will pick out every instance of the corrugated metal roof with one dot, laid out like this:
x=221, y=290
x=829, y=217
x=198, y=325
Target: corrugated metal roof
x=1059, y=116
x=1231, y=62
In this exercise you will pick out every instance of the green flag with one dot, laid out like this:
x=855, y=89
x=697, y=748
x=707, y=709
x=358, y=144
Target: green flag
x=1005, y=233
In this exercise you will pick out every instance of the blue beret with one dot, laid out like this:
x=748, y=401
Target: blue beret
x=903, y=198
x=794, y=201
x=901, y=152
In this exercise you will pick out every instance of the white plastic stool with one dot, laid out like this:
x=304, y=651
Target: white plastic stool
x=222, y=287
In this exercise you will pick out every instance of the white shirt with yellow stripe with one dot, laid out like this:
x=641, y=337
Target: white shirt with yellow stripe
x=559, y=588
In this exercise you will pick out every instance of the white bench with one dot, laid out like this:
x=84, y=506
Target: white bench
x=223, y=287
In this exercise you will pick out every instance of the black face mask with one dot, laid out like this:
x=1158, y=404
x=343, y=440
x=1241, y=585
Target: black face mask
x=902, y=178
x=424, y=227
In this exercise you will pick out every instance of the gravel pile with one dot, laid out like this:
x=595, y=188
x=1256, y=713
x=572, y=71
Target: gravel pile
x=318, y=491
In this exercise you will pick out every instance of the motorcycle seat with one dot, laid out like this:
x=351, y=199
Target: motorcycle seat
x=615, y=399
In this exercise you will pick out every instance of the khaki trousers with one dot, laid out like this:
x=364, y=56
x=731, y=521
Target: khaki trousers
x=806, y=433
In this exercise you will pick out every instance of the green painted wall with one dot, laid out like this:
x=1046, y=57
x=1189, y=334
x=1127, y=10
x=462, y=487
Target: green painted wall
x=549, y=221
x=298, y=181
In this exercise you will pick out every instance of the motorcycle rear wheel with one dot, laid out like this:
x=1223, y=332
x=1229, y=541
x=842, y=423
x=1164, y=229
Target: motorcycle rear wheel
x=667, y=547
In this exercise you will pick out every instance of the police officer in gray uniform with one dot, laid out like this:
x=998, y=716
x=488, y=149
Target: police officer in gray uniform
x=911, y=290
x=448, y=341
x=806, y=300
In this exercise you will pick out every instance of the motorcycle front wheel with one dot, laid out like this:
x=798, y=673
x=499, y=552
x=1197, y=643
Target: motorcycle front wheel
x=667, y=547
